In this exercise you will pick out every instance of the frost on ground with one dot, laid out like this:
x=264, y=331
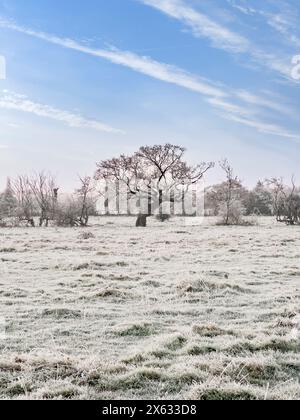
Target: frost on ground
x=172, y=311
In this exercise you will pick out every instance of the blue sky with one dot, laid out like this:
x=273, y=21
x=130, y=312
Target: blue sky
x=90, y=80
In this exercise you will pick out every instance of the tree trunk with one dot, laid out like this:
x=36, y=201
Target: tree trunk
x=142, y=220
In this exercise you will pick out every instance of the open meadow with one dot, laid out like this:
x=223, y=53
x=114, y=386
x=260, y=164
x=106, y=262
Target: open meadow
x=173, y=311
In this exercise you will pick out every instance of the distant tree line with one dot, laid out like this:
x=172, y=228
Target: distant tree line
x=157, y=176
x=271, y=197
x=35, y=201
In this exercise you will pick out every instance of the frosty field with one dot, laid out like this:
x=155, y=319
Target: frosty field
x=173, y=311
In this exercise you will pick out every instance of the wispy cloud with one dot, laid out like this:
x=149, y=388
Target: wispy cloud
x=201, y=25
x=248, y=117
x=219, y=35
x=16, y=102
x=239, y=106
x=263, y=127
x=263, y=102
x=141, y=64
x=283, y=20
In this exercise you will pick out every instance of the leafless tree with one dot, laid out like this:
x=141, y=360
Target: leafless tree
x=85, y=199
x=44, y=190
x=26, y=209
x=76, y=209
x=154, y=174
x=230, y=197
x=8, y=202
x=286, y=201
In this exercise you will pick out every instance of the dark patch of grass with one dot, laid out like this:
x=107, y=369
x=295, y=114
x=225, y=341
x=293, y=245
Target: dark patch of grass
x=176, y=343
x=67, y=393
x=161, y=354
x=7, y=250
x=109, y=292
x=86, y=235
x=257, y=374
x=210, y=331
x=15, y=390
x=79, y=267
x=224, y=395
x=135, y=360
x=282, y=346
x=136, y=380
x=136, y=330
x=202, y=285
x=62, y=313
x=197, y=350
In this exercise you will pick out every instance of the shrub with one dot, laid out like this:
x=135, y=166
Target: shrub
x=163, y=217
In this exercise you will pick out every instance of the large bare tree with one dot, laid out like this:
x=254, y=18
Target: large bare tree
x=154, y=174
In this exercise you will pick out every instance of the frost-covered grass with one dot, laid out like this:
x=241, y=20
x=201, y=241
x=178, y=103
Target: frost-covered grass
x=171, y=311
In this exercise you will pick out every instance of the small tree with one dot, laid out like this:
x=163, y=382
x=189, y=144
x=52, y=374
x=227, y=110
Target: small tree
x=75, y=210
x=231, y=207
x=286, y=201
x=8, y=202
x=259, y=201
x=26, y=206
x=44, y=191
x=85, y=200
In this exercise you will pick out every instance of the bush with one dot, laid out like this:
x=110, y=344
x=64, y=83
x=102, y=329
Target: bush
x=68, y=213
x=232, y=214
x=163, y=217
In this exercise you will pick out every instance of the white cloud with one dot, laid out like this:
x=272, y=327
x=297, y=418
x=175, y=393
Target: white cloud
x=248, y=117
x=13, y=101
x=201, y=25
x=263, y=127
x=227, y=106
x=284, y=21
x=217, y=95
x=141, y=64
x=220, y=36
x=264, y=102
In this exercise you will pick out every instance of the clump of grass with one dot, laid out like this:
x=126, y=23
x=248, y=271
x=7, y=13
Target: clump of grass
x=110, y=292
x=176, y=343
x=278, y=345
x=216, y=391
x=62, y=313
x=161, y=354
x=83, y=266
x=7, y=250
x=136, y=330
x=210, y=331
x=242, y=347
x=197, y=350
x=210, y=286
x=283, y=346
x=257, y=373
x=135, y=360
x=17, y=389
x=59, y=390
x=86, y=235
x=139, y=379
x=215, y=394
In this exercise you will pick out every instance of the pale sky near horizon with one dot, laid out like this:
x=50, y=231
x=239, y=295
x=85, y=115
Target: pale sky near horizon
x=88, y=80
